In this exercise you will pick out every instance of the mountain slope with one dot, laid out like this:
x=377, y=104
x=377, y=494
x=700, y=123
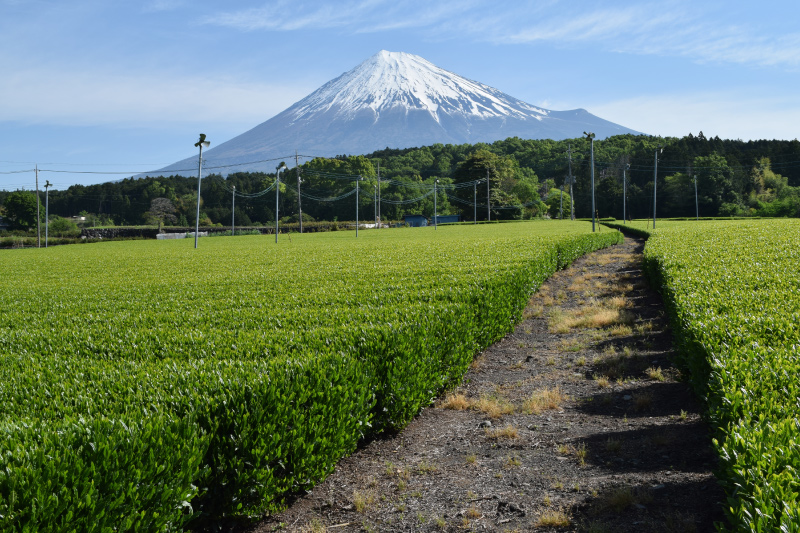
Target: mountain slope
x=397, y=100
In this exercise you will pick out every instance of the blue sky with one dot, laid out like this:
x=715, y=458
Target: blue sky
x=91, y=85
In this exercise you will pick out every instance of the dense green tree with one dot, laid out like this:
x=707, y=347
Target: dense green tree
x=20, y=209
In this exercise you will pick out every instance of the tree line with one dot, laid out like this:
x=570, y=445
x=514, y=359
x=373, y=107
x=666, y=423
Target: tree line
x=730, y=177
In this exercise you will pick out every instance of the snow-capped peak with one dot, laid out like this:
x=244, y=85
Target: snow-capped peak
x=396, y=79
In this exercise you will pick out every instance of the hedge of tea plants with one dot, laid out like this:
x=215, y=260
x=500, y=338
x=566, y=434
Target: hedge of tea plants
x=145, y=384
x=733, y=290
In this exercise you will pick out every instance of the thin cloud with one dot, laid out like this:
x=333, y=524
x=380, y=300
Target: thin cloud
x=674, y=28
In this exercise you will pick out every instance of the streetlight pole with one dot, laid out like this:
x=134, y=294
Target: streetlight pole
x=375, y=203
x=46, y=209
x=38, y=216
x=696, y=204
x=655, y=184
x=590, y=136
x=571, y=181
x=624, y=192
x=278, y=195
x=233, y=212
x=202, y=143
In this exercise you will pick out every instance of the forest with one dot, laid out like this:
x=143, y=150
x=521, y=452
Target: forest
x=695, y=175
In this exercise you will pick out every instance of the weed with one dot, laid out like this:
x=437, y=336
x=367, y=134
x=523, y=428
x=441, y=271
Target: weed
x=564, y=449
x=426, y=468
x=546, y=500
x=602, y=381
x=456, y=402
x=493, y=407
x=402, y=485
x=362, y=500
x=558, y=485
x=471, y=459
x=554, y=518
x=643, y=401
x=473, y=513
x=655, y=374
x=580, y=361
x=315, y=526
x=613, y=445
x=508, y=432
x=440, y=522
x=580, y=453
x=683, y=416
x=544, y=399
x=512, y=461
x=421, y=518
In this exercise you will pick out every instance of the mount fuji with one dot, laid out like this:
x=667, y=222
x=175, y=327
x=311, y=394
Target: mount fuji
x=395, y=100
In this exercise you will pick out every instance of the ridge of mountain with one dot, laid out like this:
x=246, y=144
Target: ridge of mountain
x=395, y=100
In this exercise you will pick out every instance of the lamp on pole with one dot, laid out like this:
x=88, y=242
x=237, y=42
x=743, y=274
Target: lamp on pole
x=696, y=204
x=590, y=136
x=278, y=195
x=375, y=203
x=202, y=143
x=655, y=183
x=47, y=186
x=233, y=212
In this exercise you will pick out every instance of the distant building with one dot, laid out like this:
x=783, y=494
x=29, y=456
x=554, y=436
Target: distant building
x=447, y=219
x=415, y=221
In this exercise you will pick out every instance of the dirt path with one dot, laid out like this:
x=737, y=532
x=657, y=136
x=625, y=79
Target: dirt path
x=577, y=420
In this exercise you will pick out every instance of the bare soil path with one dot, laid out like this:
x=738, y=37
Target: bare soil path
x=576, y=421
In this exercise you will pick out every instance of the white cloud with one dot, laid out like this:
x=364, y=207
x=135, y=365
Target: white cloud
x=676, y=28
x=102, y=98
x=727, y=114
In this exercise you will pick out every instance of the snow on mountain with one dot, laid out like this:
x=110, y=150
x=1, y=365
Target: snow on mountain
x=396, y=100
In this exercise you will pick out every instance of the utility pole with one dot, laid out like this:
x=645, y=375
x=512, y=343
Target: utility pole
x=624, y=192
x=488, y=198
x=299, y=206
x=38, y=216
x=696, y=204
x=435, y=211
x=375, y=203
x=655, y=184
x=357, y=181
x=379, y=191
x=233, y=212
x=571, y=180
x=475, y=202
x=561, y=204
x=590, y=136
x=277, y=195
x=46, y=210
